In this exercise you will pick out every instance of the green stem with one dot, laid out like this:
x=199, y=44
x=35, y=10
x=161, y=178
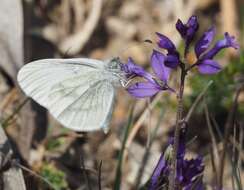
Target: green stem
x=172, y=177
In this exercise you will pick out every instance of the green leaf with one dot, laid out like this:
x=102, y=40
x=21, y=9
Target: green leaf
x=54, y=176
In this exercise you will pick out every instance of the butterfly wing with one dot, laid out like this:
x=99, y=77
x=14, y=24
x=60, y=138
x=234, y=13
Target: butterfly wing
x=77, y=92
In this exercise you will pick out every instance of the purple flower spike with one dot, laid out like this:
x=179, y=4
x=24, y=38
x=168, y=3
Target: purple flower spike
x=203, y=44
x=188, y=170
x=188, y=30
x=228, y=41
x=209, y=66
x=161, y=71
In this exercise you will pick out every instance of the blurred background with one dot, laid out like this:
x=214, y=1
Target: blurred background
x=52, y=157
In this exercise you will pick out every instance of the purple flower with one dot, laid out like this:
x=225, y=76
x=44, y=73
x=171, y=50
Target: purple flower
x=188, y=170
x=205, y=63
x=157, y=62
x=188, y=30
x=204, y=42
x=208, y=66
x=228, y=41
x=151, y=85
x=172, y=59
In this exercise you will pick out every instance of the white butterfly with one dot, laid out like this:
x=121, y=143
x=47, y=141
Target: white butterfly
x=78, y=92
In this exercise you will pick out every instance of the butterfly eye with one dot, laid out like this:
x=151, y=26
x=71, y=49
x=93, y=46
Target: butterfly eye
x=114, y=64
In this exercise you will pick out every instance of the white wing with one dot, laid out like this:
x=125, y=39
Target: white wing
x=77, y=92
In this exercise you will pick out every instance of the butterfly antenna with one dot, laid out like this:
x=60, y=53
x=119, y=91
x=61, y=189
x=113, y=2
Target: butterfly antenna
x=146, y=41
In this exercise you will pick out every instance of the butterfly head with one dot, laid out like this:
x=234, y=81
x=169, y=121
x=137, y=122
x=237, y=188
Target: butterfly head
x=114, y=64
x=116, y=68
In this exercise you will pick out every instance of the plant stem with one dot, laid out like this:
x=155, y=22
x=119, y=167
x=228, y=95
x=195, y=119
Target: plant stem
x=172, y=181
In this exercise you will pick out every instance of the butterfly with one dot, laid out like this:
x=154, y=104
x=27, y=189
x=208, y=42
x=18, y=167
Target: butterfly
x=78, y=92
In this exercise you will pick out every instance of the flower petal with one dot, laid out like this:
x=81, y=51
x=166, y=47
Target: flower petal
x=172, y=60
x=157, y=61
x=191, y=169
x=143, y=89
x=165, y=43
x=192, y=22
x=132, y=68
x=204, y=42
x=209, y=66
x=161, y=167
x=192, y=25
x=228, y=41
x=188, y=30
x=181, y=27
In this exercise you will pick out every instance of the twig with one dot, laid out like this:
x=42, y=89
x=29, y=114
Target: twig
x=235, y=176
x=79, y=12
x=236, y=167
x=179, y=116
x=239, y=158
x=240, y=150
x=27, y=113
x=214, y=143
x=16, y=111
x=237, y=146
x=9, y=98
x=198, y=99
x=138, y=125
x=191, y=141
x=216, y=126
x=232, y=158
x=198, y=180
x=35, y=174
x=147, y=152
x=85, y=174
x=228, y=126
x=78, y=40
x=99, y=176
x=213, y=164
x=149, y=124
x=118, y=177
x=12, y=177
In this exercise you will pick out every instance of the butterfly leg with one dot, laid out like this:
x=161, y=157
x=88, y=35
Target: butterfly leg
x=125, y=83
